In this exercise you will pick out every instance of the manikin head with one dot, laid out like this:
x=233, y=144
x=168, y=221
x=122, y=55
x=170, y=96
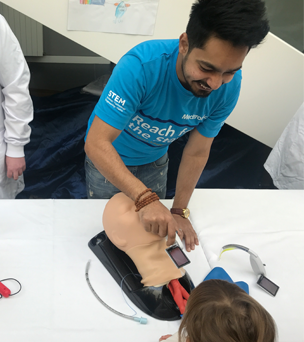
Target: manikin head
x=123, y=228
x=220, y=311
x=218, y=37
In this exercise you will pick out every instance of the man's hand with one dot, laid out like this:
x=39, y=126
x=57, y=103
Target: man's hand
x=186, y=231
x=157, y=219
x=14, y=167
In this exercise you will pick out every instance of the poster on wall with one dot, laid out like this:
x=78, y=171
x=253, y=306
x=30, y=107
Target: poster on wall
x=128, y=17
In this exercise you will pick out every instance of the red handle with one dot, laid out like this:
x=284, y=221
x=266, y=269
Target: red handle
x=4, y=290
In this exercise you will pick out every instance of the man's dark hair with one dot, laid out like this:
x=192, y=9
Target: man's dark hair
x=241, y=22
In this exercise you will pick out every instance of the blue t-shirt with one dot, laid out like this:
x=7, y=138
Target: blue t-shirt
x=145, y=99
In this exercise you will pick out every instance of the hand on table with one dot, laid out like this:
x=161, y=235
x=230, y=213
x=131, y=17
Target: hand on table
x=14, y=167
x=186, y=231
x=163, y=338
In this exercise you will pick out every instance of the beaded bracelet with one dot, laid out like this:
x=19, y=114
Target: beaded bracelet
x=147, y=200
x=142, y=193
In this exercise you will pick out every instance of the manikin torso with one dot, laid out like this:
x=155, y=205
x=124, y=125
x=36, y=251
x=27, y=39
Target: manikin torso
x=148, y=251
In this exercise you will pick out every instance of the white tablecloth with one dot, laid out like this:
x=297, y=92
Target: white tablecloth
x=43, y=244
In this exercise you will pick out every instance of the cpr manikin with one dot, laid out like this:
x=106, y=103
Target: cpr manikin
x=139, y=264
x=148, y=251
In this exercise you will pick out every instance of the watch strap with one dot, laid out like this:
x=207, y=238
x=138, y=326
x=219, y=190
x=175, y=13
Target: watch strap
x=182, y=212
x=177, y=211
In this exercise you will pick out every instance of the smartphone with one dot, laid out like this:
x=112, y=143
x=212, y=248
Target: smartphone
x=177, y=256
x=268, y=285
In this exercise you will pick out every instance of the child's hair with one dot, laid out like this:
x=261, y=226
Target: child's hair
x=220, y=311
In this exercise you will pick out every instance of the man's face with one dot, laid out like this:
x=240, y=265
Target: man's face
x=206, y=69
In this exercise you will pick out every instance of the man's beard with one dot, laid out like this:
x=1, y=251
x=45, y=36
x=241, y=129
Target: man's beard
x=201, y=93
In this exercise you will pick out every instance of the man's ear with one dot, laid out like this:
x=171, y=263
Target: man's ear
x=183, y=44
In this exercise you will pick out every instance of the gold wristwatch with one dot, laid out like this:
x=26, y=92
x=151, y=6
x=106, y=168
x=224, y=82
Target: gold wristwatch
x=182, y=212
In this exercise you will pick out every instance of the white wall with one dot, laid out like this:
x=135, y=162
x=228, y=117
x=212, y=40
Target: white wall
x=171, y=21
x=273, y=86
x=272, y=90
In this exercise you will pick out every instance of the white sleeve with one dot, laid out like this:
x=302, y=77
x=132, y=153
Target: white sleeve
x=14, y=81
x=285, y=164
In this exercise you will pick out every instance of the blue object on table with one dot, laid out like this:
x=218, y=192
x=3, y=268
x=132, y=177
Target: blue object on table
x=220, y=273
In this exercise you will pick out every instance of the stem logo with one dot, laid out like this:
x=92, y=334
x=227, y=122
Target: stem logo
x=115, y=101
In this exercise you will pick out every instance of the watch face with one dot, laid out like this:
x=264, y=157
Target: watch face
x=186, y=213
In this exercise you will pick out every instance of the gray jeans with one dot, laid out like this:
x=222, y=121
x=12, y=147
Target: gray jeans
x=153, y=175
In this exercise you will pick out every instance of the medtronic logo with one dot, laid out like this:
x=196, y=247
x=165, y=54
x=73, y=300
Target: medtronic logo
x=194, y=117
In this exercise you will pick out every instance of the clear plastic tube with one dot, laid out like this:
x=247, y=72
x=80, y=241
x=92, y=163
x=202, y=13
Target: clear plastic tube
x=141, y=320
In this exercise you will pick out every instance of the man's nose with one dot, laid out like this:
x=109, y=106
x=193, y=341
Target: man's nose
x=215, y=81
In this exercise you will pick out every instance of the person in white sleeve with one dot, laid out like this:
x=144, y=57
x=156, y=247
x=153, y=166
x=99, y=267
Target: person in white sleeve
x=16, y=111
x=285, y=163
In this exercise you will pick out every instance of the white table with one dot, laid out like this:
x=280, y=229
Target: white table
x=43, y=244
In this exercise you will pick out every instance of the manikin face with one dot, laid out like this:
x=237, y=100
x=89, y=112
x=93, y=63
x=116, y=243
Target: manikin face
x=203, y=70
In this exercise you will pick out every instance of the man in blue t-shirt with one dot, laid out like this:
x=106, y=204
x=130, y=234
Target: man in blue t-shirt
x=160, y=90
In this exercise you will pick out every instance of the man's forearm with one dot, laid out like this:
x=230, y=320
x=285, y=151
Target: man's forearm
x=189, y=172
x=194, y=159
x=110, y=165
x=104, y=156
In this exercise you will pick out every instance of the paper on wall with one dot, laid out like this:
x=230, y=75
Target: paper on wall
x=128, y=17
